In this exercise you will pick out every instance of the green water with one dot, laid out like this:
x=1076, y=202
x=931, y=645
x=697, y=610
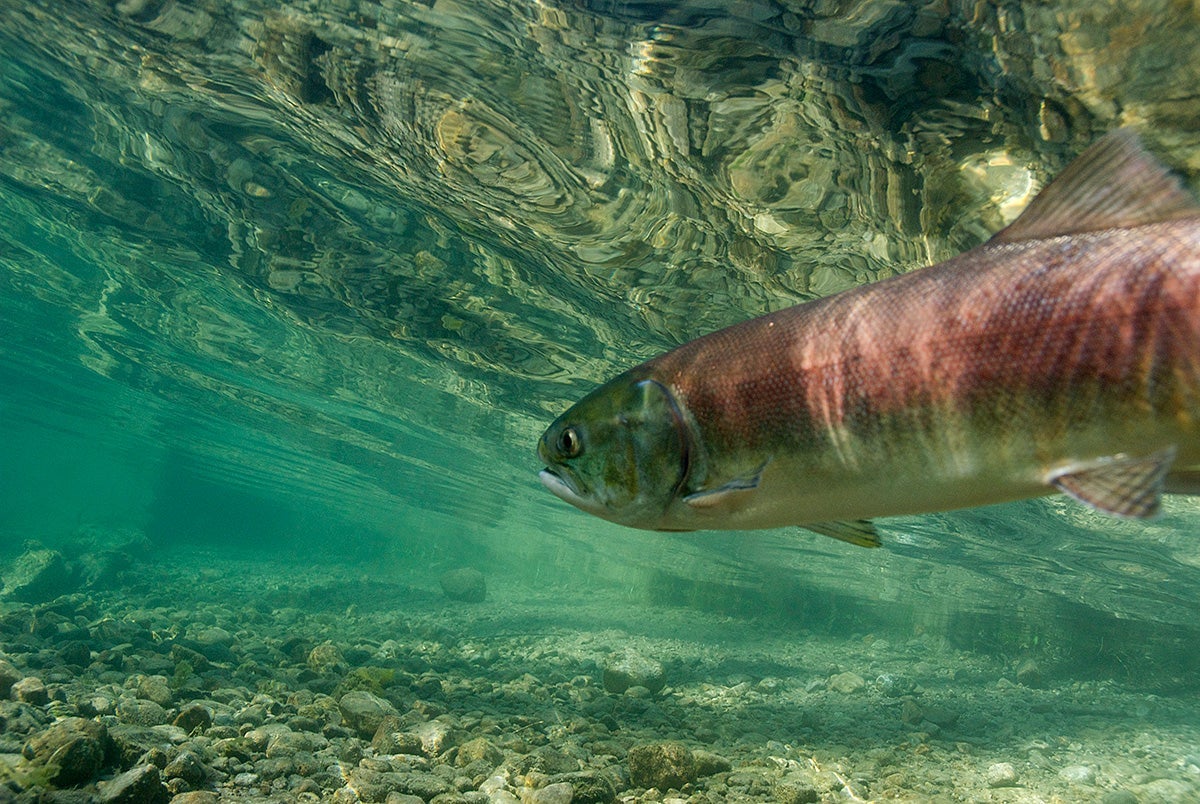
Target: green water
x=311, y=279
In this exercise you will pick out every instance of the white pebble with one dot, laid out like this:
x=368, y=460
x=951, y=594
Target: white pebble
x=1001, y=774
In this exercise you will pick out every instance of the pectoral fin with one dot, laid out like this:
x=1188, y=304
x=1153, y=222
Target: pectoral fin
x=859, y=531
x=1122, y=485
x=728, y=497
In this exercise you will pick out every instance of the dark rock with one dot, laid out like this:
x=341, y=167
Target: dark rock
x=38, y=576
x=466, y=584
x=632, y=669
x=662, y=765
x=193, y=717
x=363, y=711
x=30, y=690
x=73, y=751
x=187, y=766
x=708, y=763
x=76, y=652
x=1029, y=673
x=9, y=675
x=140, y=785
x=589, y=787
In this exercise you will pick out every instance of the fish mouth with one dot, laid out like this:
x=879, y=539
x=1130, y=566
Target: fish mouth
x=563, y=486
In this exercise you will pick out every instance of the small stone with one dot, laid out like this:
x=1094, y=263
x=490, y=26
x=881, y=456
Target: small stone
x=1078, y=774
x=847, y=683
x=196, y=797
x=1029, y=673
x=942, y=716
x=557, y=793
x=154, y=688
x=137, y=712
x=325, y=659
x=435, y=737
x=187, y=766
x=662, y=765
x=633, y=669
x=391, y=738
x=192, y=718
x=30, y=690
x=466, y=584
x=478, y=750
x=708, y=763
x=140, y=785
x=364, y=711
x=590, y=787
x=1001, y=774
x=911, y=712
x=75, y=653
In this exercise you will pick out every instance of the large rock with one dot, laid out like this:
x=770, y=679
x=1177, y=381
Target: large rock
x=38, y=576
x=464, y=584
x=73, y=751
x=363, y=712
x=140, y=785
x=633, y=669
x=662, y=765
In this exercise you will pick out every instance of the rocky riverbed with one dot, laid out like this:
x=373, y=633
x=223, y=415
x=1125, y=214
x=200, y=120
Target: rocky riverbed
x=201, y=678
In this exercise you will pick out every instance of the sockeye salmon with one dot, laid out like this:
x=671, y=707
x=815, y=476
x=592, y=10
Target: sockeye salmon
x=1062, y=355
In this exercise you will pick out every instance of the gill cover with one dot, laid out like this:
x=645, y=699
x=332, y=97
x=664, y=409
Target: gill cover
x=621, y=452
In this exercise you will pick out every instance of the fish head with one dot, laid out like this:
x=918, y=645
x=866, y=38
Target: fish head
x=620, y=453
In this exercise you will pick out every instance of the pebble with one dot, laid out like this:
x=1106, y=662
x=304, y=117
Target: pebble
x=1001, y=774
x=1078, y=774
x=847, y=683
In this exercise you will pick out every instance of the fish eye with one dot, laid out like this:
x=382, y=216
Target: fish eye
x=569, y=443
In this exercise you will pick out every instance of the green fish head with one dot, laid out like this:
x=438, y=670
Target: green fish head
x=620, y=453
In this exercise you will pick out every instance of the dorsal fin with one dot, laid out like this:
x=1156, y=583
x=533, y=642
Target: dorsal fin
x=1113, y=184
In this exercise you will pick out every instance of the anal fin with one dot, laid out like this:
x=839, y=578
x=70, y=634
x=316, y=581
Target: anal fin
x=858, y=531
x=1124, y=486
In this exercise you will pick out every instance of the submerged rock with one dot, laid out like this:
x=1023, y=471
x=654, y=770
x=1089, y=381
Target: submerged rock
x=1001, y=774
x=662, y=765
x=465, y=584
x=38, y=576
x=140, y=785
x=364, y=712
x=633, y=669
x=73, y=751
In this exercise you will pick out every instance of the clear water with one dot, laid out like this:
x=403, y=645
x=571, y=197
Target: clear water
x=313, y=277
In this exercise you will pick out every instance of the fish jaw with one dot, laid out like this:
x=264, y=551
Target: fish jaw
x=560, y=486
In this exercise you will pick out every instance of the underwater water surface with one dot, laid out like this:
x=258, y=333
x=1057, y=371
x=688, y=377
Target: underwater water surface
x=309, y=279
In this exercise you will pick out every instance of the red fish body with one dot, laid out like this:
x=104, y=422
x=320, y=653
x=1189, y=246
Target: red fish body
x=1062, y=355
